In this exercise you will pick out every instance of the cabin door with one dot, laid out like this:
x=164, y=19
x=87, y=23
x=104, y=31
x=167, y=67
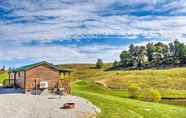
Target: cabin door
x=35, y=87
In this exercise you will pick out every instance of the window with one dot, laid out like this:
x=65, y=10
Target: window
x=44, y=84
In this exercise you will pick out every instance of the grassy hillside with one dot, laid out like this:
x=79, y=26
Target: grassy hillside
x=86, y=71
x=3, y=76
x=170, y=82
x=113, y=105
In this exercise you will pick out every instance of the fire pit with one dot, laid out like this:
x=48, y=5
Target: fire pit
x=69, y=106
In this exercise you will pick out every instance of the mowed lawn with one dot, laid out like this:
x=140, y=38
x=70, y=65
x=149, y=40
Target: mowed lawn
x=114, y=105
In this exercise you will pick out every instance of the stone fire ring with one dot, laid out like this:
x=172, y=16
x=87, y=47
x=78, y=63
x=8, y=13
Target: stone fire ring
x=69, y=106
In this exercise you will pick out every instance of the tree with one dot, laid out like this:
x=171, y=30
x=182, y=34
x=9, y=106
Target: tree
x=177, y=46
x=171, y=58
x=3, y=69
x=179, y=51
x=171, y=49
x=115, y=64
x=99, y=64
x=126, y=59
x=161, y=53
x=150, y=51
x=141, y=51
x=133, y=54
x=156, y=54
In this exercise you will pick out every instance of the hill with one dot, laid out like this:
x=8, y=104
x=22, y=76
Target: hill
x=170, y=82
x=3, y=76
x=113, y=105
x=108, y=90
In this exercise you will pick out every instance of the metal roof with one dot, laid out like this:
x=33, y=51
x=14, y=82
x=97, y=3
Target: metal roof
x=23, y=68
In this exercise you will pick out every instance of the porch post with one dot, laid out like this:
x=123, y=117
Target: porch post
x=15, y=79
x=59, y=80
x=9, y=78
x=69, y=86
x=25, y=80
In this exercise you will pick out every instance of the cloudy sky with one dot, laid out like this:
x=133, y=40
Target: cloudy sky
x=80, y=31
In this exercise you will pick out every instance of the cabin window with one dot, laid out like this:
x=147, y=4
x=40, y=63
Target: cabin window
x=44, y=84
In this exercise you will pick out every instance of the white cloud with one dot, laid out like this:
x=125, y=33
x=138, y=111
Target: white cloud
x=67, y=19
x=61, y=54
x=74, y=18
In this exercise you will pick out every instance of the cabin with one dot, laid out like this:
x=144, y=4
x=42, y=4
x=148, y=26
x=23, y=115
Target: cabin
x=40, y=76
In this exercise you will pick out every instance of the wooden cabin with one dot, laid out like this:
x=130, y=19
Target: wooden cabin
x=40, y=76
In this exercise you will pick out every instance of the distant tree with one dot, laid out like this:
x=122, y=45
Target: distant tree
x=178, y=51
x=141, y=52
x=99, y=64
x=157, y=58
x=150, y=51
x=177, y=46
x=133, y=53
x=181, y=52
x=126, y=58
x=132, y=50
x=9, y=69
x=153, y=54
x=3, y=69
x=161, y=53
x=115, y=64
x=165, y=52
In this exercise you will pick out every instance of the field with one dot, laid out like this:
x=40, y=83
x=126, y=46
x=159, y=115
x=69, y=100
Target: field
x=3, y=76
x=108, y=90
x=113, y=105
x=170, y=82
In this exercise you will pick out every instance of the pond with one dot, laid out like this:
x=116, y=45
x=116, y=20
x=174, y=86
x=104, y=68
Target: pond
x=180, y=102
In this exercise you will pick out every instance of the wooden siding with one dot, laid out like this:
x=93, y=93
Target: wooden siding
x=34, y=76
x=42, y=73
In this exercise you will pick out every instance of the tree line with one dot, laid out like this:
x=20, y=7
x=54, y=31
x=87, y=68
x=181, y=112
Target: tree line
x=153, y=55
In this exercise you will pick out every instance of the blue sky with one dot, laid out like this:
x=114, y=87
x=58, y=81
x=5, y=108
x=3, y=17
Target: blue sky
x=80, y=31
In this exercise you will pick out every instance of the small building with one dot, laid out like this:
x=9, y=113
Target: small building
x=40, y=76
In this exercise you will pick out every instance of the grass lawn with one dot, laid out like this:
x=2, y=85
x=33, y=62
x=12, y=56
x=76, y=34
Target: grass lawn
x=3, y=76
x=114, y=106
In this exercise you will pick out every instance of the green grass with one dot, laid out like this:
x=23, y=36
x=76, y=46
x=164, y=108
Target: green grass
x=170, y=82
x=91, y=86
x=113, y=105
x=3, y=76
x=165, y=78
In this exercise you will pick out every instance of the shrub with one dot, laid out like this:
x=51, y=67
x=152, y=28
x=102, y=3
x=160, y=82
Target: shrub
x=134, y=90
x=150, y=94
x=99, y=64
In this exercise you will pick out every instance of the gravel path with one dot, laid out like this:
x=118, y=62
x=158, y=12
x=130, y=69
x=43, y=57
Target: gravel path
x=30, y=106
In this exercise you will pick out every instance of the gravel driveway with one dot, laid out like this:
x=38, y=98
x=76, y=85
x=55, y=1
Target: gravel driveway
x=30, y=106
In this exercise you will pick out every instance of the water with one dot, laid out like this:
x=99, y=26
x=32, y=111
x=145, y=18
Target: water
x=178, y=102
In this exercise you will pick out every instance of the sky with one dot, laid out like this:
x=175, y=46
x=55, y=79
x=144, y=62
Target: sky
x=80, y=31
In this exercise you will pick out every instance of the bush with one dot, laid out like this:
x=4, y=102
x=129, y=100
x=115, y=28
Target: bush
x=99, y=64
x=150, y=94
x=134, y=90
